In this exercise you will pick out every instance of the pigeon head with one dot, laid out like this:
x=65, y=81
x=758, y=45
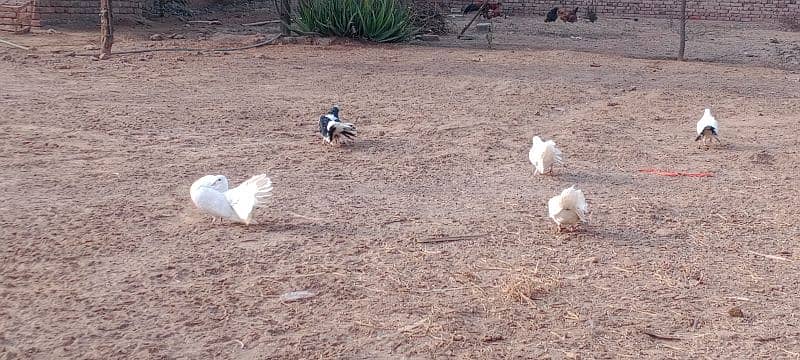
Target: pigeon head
x=334, y=111
x=216, y=182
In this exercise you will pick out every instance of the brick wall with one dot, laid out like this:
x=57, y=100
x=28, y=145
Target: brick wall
x=16, y=15
x=19, y=15
x=66, y=11
x=725, y=10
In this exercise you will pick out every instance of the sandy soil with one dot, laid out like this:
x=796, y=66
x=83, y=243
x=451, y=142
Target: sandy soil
x=103, y=255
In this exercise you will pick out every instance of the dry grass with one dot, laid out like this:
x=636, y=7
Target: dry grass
x=526, y=286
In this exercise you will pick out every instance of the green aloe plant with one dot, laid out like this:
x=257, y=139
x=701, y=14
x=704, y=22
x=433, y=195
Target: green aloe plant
x=374, y=20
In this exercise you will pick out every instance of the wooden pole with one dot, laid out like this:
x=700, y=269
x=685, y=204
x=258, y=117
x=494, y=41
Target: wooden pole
x=106, y=29
x=286, y=10
x=480, y=10
x=682, y=46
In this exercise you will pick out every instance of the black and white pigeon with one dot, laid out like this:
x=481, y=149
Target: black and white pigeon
x=334, y=130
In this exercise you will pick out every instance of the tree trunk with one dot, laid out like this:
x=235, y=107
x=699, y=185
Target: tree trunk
x=106, y=29
x=682, y=46
x=286, y=19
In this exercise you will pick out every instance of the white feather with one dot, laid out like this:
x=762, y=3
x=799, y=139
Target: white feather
x=569, y=207
x=544, y=154
x=707, y=120
x=211, y=195
x=335, y=128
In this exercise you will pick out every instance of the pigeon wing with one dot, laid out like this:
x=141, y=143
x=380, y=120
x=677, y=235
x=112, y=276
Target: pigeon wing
x=248, y=195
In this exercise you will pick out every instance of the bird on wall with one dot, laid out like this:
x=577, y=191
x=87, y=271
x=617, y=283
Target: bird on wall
x=552, y=15
x=707, y=129
x=568, y=16
x=211, y=195
x=568, y=208
x=333, y=129
x=543, y=155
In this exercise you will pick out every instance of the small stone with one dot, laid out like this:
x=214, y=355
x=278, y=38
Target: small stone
x=156, y=37
x=664, y=232
x=774, y=41
x=178, y=36
x=492, y=338
x=31, y=56
x=51, y=31
x=612, y=104
x=559, y=109
x=323, y=41
x=429, y=37
x=735, y=312
x=296, y=295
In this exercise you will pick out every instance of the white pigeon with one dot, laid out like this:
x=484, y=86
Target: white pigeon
x=210, y=194
x=543, y=155
x=333, y=129
x=568, y=208
x=707, y=129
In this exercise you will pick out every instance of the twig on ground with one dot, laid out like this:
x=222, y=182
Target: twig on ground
x=657, y=336
x=259, y=23
x=205, y=22
x=450, y=239
x=9, y=43
x=773, y=257
x=765, y=339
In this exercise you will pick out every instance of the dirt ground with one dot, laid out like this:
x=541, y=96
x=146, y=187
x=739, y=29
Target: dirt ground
x=104, y=255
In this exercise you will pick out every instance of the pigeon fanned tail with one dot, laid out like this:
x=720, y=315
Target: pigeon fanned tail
x=249, y=195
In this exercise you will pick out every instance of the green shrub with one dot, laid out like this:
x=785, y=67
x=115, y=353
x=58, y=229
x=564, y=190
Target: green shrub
x=374, y=20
